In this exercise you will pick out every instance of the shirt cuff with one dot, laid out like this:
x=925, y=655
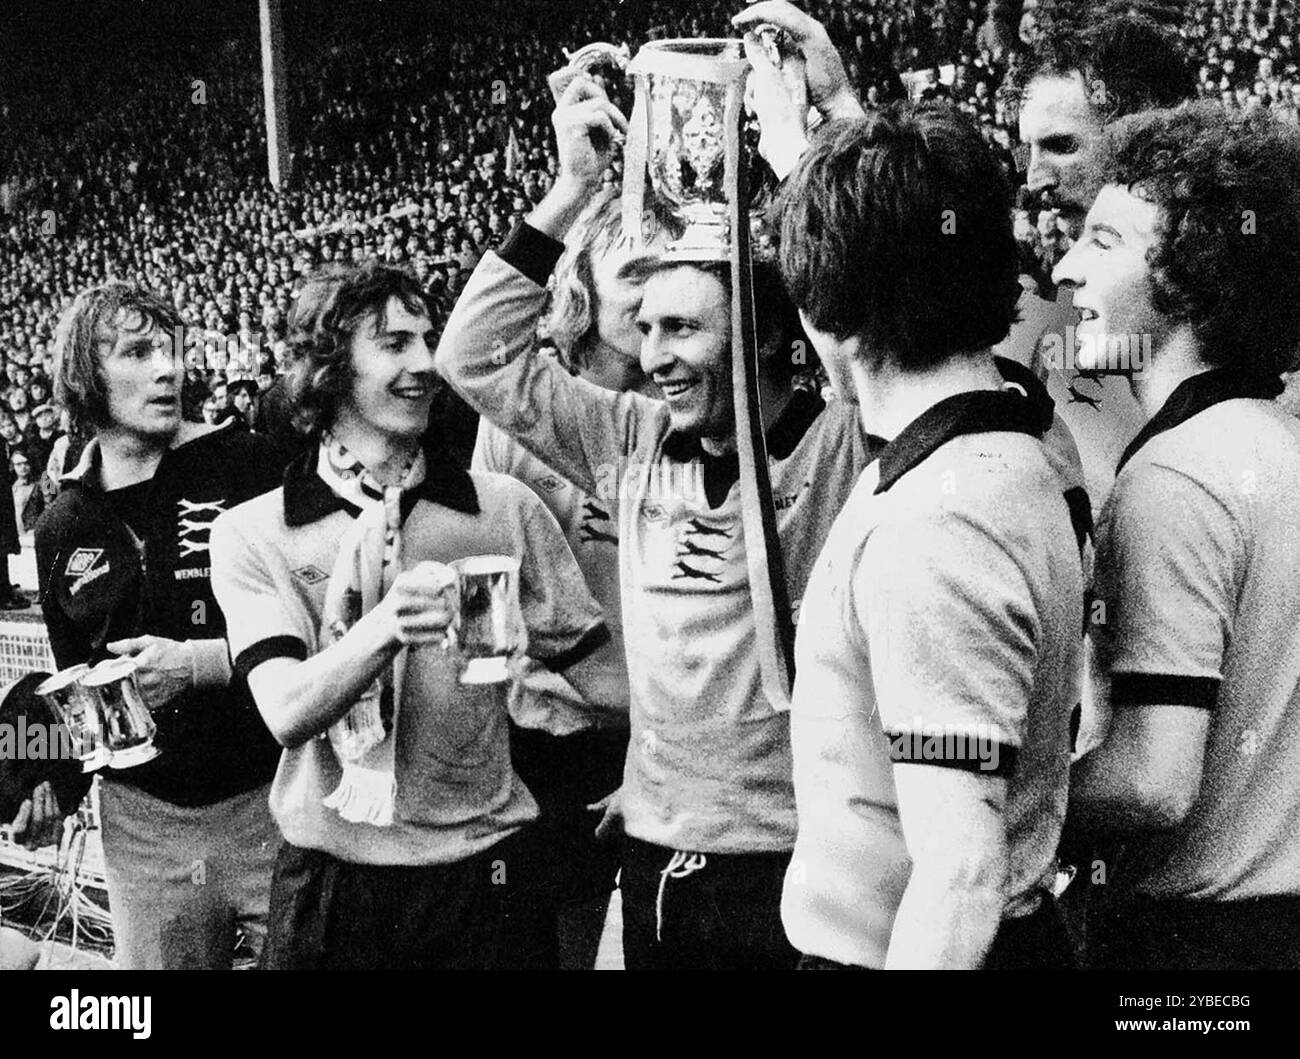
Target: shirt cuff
x=531, y=252
x=210, y=663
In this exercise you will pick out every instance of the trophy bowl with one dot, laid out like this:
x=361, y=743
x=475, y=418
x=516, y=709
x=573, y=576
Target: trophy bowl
x=78, y=711
x=681, y=158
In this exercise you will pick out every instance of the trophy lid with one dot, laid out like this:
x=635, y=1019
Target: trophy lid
x=717, y=59
x=62, y=679
x=109, y=671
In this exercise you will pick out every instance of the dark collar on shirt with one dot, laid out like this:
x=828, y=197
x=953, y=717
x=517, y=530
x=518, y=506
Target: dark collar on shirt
x=308, y=499
x=1039, y=399
x=1195, y=395
x=976, y=412
x=783, y=437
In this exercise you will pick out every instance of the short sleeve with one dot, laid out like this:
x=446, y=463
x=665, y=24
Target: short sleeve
x=1166, y=578
x=564, y=621
x=262, y=621
x=951, y=629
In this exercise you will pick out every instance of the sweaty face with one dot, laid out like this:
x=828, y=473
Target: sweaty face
x=392, y=374
x=1108, y=270
x=685, y=324
x=1058, y=123
x=142, y=378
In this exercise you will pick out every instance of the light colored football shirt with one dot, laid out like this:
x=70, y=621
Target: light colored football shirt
x=946, y=605
x=544, y=699
x=709, y=761
x=1198, y=603
x=271, y=559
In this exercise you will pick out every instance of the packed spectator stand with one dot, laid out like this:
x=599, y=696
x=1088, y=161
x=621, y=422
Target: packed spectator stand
x=420, y=140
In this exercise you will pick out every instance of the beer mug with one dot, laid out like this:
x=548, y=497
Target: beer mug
x=491, y=626
x=78, y=711
x=128, y=727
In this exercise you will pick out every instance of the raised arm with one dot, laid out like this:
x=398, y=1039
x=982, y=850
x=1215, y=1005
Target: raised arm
x=489, y=350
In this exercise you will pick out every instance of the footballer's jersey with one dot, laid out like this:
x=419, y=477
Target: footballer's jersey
x=457, y=793
x=709, y=761
x=1197, y=589
x=543, y=699
x=942, y=625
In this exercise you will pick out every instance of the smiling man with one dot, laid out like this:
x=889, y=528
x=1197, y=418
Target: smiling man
x=707, y=798
x=1195, y=240
x=122, y=557
x=1084, y=74
x=434, y=870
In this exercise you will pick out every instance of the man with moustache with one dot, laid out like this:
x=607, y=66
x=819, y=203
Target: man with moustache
x=1082, y=76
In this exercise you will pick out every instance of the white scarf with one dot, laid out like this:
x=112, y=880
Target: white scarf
x=365, y=570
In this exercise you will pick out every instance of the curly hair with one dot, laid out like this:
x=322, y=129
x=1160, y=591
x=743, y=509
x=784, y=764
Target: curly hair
x=1128, y=61
x=1228, y=189
x=93, y=320
x=332, y=303
x=570, y=322
x=896, y=228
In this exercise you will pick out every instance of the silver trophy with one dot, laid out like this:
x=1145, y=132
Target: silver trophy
x=682, y=169
x=127, y=724
x=685, y=199
x=78, y=711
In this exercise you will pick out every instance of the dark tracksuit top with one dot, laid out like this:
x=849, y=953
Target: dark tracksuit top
x=101, y=581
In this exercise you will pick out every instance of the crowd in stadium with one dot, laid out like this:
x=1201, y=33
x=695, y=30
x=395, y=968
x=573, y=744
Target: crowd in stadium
x=148, y=184
x=438, y=191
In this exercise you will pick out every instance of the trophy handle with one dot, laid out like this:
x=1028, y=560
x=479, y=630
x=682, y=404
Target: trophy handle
x=769, y=590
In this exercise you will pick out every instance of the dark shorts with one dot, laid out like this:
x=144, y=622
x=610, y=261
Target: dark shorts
x=566, y=774
x=1137, y=934
x=725, y=915
x=330, y=914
